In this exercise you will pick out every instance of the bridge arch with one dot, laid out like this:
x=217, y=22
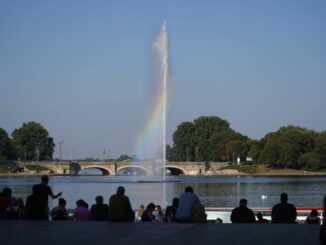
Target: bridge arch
x=132, y=170
x=172, y=170
x=102, y=169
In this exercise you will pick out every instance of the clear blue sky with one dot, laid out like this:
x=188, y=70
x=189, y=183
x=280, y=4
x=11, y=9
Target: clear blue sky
x=83, y=69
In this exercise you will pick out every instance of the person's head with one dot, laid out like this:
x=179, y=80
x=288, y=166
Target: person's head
x=81, y=203
x=45, y=179
x=158, y=208
x=150, y=207
x=62, y=202
x=243, y=202
x=6, y=191
x=121, y=190
x=141, y=207
x=259, y=216
x=284, y=197
x=314, y=213
x=189, y=189
x=175, y=202
x=99, y=200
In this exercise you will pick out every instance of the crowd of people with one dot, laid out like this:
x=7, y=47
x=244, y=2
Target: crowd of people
x=186, y=208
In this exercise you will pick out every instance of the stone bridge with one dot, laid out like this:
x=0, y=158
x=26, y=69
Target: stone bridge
x=139, y=167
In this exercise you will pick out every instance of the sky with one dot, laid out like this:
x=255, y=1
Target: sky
x=84, y=69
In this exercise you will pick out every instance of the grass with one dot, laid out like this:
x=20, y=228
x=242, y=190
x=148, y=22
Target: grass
x=34, y=167
x=4, y=168
x=248, y=169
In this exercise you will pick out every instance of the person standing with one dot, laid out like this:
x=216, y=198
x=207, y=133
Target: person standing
x=42, y=192
x=242, y=214
x=284, y=212
x=186, y=203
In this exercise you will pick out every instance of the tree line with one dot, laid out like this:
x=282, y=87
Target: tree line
x=207, y=138
x=210, y=138
x=29, y=142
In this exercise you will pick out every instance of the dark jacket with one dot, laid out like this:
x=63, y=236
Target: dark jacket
x=284, y=213
x=120, y=208
x=242, y=214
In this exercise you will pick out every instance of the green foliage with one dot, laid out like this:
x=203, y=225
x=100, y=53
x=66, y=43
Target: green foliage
x=287, y=145
x=204, y=139
x=4, y=168
x=249, y=169
x=123, y=158
x=32, y=142
x=34, y=167
x=7, y=151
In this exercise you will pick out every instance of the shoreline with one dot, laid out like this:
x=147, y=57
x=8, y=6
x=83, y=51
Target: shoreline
x=222, y=173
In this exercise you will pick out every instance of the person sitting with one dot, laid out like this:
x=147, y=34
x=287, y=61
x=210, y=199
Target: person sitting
x=148, y=213
x=171, y=211
x=242, y=214
x=284, y=212
x=60, y=212
x=120, y=207
x=139, y=213
x=6, y=210
x=186, y=203
x=99, y=211
x=313, y=218
x=81, y=211
x=34, y=208
x=158, y=214
x=261, y=220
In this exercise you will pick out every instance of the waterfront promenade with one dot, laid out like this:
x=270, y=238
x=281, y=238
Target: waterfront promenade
x=71, y=232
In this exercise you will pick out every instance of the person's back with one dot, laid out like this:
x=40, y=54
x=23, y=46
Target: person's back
x=60, y=212
x=242, y=214
x=34, y=210
x=99, y=211
x=120, y=207
x=5, y=203
x=81, y=211
x=284, y=212
x=186, y=202
x=170, y=213
x=313, y=218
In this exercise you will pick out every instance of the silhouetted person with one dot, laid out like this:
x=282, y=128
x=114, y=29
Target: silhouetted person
x=6, y=211
x=171, y=211
x=99, y=211
x=43, y=191
x=284, y=212
x=242, y=214
x=261, y=220
x=60, y=212
x=147, y=215
x=34, y=208
x=186, y=202
x=313, y=218
x=120, y=207
x=81, y=211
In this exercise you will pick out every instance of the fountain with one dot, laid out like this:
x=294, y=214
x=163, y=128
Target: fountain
x=151, y=143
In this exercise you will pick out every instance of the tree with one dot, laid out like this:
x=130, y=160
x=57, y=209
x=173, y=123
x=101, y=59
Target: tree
x=287, y=145
x=7, y=151
x=203, y=140
x=123, y=158
x=32, y=142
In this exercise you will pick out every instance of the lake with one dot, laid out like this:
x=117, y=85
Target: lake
x=213, y=191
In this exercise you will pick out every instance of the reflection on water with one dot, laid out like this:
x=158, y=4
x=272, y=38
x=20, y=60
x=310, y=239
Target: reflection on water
x=213, y=191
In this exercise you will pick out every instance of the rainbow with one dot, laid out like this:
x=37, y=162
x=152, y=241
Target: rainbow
x=151, y=142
